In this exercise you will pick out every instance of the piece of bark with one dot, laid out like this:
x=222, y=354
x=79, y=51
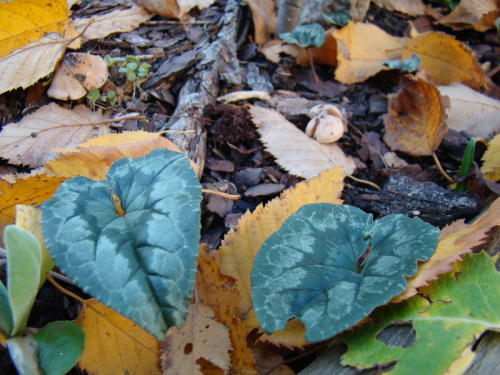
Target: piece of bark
x=219, y=62
x=428, y=201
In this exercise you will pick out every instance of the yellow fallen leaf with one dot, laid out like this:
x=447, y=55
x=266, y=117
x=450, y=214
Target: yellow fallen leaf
x=454, y=241
x=264, y=19
x=117, y=21
x=29, y=141
x=219, y=292
x=201, y=338
x=415, y=122
x=29, y=218
x=479, y=14
x=77, y=74
x=411, y=7
x=30, y=191
x=115, y=344
x=173, y=8
x=240, y=246
x=295, y=151
x=28, y=64
x=361, y=49
x=445, y=59
x=471, y=111
x=93, y=158
x=491, y=160
x=26, y=21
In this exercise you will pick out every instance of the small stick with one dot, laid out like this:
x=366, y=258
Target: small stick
x=65, y=291
x=373, y=185
x=224, y=195
x=440, y=168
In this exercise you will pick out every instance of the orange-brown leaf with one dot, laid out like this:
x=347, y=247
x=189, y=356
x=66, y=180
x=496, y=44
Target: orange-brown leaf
x=480, y=14
x=455, y=241
x=30, y=191
x=415, y=122
x=92, y=159
x=219, y=292
x=264, y=19
x=201, y=338
x=239, y=247
x=445, y=59
x=115, y=344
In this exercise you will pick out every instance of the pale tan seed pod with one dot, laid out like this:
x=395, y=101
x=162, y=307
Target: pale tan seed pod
x=329, y=109
x=325, y=128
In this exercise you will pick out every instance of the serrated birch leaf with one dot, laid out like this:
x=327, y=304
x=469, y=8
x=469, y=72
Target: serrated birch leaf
x=450, y=315
x=293, y=149
x=491, y=160
x=137, y=255
x=329, y=266
x=29, y=141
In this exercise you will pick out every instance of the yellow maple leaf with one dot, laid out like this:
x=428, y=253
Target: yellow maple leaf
x=240, y=246
x=30, y=191
x=491, y=160
x=115, y=344
x=219, y=292
x=93, y=158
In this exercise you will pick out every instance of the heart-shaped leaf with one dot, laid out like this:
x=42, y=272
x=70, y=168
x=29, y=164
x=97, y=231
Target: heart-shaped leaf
x=331, y=265
x=131, y=241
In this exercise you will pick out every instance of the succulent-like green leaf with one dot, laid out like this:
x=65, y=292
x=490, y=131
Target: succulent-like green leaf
x=450, y=314
x=312, y=35
x=60, y=346
x=141, y=264
x=331, y=265
x=22, y=351
x=24, y=259
x=6, y=320
x=410, y=64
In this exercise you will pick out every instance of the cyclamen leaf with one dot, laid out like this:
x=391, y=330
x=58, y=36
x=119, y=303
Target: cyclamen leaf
x=141, y=264
x=331, y=265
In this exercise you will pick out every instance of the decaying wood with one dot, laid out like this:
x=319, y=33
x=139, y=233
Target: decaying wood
x=202, y=88
x=288, y=15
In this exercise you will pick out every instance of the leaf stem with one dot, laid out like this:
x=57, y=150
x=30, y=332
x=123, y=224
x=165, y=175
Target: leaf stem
x=373, y=185
x=65, y=291
x=220, y=193
x=440, y=168
x=311, y=62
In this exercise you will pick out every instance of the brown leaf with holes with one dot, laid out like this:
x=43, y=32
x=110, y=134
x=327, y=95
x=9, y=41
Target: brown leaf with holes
x=455, y=240
x=29, y=141
x=201, y=339
x=240, y=246
x=77, y=74
x=445, y=59
x=415, y=122
x=219, y=292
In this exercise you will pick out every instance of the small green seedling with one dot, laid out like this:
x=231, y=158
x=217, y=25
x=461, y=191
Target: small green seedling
x=466, y=165
x=337, y=18
x=130, y=65
x=306, y=36
x=95, y=95
x=32, y=353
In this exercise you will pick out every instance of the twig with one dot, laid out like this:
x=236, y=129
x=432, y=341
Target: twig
x=65, y=291
x=373, y=185
x=220, y=193
x=440, y=168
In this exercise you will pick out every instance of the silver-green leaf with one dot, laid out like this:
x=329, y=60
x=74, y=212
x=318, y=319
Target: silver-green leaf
x=331, y=265
x=141, y=259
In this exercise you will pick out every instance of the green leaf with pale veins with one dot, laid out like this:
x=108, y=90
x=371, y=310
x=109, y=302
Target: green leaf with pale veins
x=451, y=314
x=305, y=36
x=141, y=264
x=331, y=265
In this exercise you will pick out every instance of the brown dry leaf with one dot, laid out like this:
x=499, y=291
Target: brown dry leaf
x=117, y=21
x=201, y=338
x=30, y=191
x=28, y=64
x=219, y=292
x=26, y=21
x=264, y=19
x=270, y=363
x=295, y=151
x=415, y=122
x=29, y=141
x=115, y=344
x=358, y=9
x=361, y=49
x=491, y=160
x=93, y=158
x=480, y=14
x=471, y=111
x=240, y=246
x=173, y=8
x=411, y=7
x=456, y=240
x=272, y=50
x=77, y=74
x=445, y=59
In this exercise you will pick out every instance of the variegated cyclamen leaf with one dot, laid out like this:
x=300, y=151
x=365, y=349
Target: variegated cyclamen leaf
x=140, y=258
x=330, y=265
